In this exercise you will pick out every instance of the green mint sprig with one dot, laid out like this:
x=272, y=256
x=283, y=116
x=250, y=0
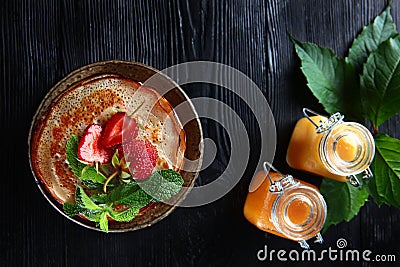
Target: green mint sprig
x=364, y=85
x=161, y=185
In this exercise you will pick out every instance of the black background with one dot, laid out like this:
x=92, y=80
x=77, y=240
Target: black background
x=42, y=41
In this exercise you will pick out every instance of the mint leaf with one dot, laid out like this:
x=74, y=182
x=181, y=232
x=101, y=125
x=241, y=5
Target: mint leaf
x=137, y=199
x=126, y=215
x=345, y=207
x=329, y=78
x=72, y=209
x=130, y=194
x=162, y=184
x=91, y=174
x=122, y=191
x=103, y=222
x=100, y=198
x=92, y=185
x=72, y=155
x=381, y=29
x=380, y=82
x=85, y=206
x=386, y=169
x=84, y=201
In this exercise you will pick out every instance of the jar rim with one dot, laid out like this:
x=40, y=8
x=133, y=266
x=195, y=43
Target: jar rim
x=314, y=222
x=365, y=151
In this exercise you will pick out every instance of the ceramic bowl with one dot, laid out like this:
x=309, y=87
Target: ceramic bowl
x=140, y=73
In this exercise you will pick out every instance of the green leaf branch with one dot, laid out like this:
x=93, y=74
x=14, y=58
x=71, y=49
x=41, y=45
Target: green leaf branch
x=364, y=86
x=125, y=192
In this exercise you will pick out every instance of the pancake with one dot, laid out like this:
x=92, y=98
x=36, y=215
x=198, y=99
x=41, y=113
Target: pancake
x=95, y=100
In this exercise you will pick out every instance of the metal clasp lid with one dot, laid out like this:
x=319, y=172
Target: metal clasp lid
x=323, y=125
x=283, y=184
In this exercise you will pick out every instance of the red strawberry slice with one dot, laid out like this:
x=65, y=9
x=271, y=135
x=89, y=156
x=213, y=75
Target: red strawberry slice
x=90, y=149
x=118, y=126
x=142, y=156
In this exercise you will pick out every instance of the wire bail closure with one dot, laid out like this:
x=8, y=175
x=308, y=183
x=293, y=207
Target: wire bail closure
x=327, y=125
x=366, y=175
x=323, y=126
x=283, y=184
x=287, y=182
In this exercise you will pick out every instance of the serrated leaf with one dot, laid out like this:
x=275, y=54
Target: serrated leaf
x=380, y=82
x=72, y=155
x=84, y=170
x=93, y=216
x=163, y=184
x=343, y=200
x=372, y=190
x=126, y=215
x=138, y=199
x=381, y=29
x=100, y=198
x=84, y=201
x=386, y=169
x=72, y=209
x=103, y=222
x=91, y=174
x=122, y=191
x=330, y=79
x=130, y=194
x=92, y=186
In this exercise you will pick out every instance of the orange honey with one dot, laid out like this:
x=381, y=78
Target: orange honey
x=296, y=213
x=302, y=153
x=340, y=151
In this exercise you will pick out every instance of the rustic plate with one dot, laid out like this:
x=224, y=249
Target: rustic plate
x=129, y=71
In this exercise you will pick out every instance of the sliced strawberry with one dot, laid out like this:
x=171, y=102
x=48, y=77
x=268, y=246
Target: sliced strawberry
x=142, y=156
x=151, y=152
x=118, y=126
x=90, y=149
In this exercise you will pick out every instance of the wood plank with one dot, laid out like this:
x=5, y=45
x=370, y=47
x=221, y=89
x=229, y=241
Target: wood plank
x=29, y=39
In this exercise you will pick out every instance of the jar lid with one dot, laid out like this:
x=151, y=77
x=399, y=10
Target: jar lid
x=299, y=213
x=347, y=149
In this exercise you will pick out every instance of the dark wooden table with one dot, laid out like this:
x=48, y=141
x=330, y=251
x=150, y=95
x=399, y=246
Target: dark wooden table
x=42, y=41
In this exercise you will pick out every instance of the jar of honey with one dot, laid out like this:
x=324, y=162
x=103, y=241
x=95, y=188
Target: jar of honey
x=331, y=147
x=286, y=207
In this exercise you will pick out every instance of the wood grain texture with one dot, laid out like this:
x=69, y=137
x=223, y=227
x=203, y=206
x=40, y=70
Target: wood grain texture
x=331, y=24
x=42, y=41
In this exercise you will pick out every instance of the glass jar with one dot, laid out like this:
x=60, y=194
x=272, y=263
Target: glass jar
x=331, y=147
x=286, y=207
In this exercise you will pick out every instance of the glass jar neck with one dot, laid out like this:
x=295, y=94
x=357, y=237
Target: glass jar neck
x=299, y=213
x=347, y=149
